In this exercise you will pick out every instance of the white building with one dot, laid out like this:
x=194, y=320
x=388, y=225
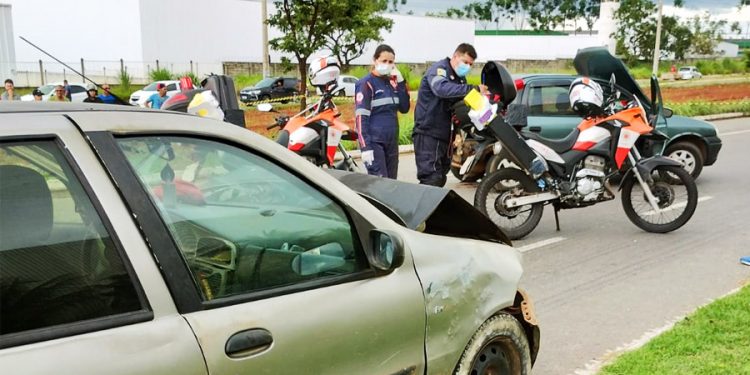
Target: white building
x=176, y=33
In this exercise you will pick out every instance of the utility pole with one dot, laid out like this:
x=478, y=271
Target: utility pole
x=657, y=48
x=264, y=18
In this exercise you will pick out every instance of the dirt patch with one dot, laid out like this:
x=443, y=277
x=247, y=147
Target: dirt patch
x=258, y=121
x=712, y=93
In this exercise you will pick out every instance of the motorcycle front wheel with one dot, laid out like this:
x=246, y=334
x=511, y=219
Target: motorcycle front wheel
x=499, y=186
x=676, y=196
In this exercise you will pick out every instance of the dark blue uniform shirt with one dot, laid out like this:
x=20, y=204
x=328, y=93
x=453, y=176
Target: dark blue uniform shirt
x=377, y=101
x=440, y=88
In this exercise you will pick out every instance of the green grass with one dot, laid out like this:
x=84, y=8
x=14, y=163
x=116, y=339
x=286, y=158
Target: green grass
x=700, y=108
x=243, y=80
x=713, y=340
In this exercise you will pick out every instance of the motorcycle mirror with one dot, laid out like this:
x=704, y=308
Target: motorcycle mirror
x=265, y=107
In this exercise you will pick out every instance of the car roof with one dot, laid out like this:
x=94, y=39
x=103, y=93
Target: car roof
x=52, y=107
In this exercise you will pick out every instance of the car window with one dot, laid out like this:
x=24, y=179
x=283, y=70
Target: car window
x=549, y=101
x=350, y=80
x=58, y=263
x=242, y=223
x=77, y=89
x=171, y=87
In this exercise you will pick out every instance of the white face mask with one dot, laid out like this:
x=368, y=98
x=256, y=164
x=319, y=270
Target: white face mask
x=383, y=69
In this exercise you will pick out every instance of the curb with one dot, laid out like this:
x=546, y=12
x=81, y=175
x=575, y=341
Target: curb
x=721, y=116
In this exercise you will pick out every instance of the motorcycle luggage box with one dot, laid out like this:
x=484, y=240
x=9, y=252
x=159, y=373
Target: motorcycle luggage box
x=499, y=81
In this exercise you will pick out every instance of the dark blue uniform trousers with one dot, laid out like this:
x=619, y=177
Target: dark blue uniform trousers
x=433, y=161
x=386, y=159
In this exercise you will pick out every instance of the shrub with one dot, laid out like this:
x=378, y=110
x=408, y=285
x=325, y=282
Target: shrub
x=358, y=71
x=161, y=74
x=125, y=80
x=701, y=108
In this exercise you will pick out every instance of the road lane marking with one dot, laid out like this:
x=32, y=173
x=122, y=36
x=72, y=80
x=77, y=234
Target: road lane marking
x=539, y=244
x=678, y=205
x=734, y=132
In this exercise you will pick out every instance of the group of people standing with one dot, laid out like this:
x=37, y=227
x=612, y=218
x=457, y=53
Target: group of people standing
x=383, y=92
x=61, y=93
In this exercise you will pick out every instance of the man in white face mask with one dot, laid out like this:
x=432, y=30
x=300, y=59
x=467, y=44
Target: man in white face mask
x=443, y=85
x=379, y=96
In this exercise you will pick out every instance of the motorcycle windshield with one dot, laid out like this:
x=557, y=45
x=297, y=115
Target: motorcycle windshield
x=597, y=62
x=420, y=207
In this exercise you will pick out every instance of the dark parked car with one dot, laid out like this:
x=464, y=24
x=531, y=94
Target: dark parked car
x=693, y=142
x=271, y=88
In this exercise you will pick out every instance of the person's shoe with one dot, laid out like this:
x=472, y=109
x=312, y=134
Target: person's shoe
x=745, y=260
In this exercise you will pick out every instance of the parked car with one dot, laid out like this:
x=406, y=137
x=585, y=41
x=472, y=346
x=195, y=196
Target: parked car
x=140, y=97
x=345, y=86
x=77, y=92
x=130, y=237
x=689, y=72
x=271, y=88
x=693, y=142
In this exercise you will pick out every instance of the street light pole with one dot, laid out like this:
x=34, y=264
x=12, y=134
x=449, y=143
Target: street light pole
x=264, y=17
x=657, y=48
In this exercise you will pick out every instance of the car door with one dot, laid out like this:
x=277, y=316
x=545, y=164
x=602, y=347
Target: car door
x=548, y=101
x=274, y=276
x=79, y=290
x=77, y=93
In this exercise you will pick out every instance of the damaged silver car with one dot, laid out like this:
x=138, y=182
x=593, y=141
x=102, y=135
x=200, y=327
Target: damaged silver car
x=135, y=241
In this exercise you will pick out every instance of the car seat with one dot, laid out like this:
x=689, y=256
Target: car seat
x=25, y=208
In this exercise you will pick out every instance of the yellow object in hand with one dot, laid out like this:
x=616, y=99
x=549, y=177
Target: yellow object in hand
x=474, y=100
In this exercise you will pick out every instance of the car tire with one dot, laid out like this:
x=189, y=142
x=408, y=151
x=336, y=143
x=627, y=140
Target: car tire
x=689, y=155
x=341, y=93
x=264, y=97
x=499, y=346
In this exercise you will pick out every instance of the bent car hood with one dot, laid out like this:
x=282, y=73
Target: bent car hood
x=426, y=208
x=597, y=62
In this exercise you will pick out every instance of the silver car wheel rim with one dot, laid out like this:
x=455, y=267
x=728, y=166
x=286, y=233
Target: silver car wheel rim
x=685, y=158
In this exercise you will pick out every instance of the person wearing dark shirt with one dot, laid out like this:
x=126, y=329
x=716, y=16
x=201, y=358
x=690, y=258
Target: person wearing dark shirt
x=92, y=98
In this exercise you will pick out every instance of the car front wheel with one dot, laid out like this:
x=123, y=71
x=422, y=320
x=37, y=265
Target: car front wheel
x=689, y=155
x=498, y=347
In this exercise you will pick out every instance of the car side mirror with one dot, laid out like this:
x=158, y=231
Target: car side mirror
x=668, y=112
x=387, y=250
x=265, y=107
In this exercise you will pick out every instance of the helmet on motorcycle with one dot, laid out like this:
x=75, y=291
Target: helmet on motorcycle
x=586, y=97
x=323, y=71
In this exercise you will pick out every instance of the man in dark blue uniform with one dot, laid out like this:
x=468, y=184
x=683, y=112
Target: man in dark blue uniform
x=443, y=85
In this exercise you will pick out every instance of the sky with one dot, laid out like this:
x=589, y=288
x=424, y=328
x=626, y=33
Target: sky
x=719, y=9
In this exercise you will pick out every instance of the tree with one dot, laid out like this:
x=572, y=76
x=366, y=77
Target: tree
x=304, y=25
x=360, y=24
x=589, y=10
x=736, y=28
x=545, y=15
x=394, y=4
x=706, y=34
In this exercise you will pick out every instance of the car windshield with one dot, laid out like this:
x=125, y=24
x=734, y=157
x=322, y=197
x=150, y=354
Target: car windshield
x=46, y=89
x=265, y=83
x=684, y=69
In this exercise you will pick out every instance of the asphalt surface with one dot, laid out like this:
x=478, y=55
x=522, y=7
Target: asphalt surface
x=601, y=283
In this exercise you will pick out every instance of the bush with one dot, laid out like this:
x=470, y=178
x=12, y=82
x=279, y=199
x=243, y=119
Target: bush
x=701, y=108
x=161, y=74
x=193, y=77
x=125, y=80
x=358, y=71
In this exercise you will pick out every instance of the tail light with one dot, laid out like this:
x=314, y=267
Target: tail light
x=520, y=84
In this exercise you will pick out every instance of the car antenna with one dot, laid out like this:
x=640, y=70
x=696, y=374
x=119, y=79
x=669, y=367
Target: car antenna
x=117, y=98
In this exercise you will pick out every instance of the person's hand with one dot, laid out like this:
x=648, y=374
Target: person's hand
x=397, y=73
x=484, y=90
x=368, y=157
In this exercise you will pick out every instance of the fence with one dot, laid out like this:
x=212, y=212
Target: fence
x=37, y=73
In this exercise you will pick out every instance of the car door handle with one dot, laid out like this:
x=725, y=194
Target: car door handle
x=248, y=342
x=535, y=129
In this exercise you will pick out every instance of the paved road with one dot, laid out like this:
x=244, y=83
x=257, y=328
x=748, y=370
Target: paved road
x=601, y=283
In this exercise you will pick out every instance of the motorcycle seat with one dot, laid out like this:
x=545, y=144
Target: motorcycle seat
x=557, y=145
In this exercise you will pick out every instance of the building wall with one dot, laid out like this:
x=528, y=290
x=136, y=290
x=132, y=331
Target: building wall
x=7, y=49
x=532, y=47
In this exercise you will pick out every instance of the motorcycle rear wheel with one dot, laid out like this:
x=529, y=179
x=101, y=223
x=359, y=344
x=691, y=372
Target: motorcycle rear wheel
x=675, y=193
x=498, y=186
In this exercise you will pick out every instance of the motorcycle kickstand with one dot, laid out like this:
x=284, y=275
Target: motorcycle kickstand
x=557, y=220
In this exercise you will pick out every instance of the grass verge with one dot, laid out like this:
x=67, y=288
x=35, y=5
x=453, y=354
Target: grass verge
x=713, y=340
